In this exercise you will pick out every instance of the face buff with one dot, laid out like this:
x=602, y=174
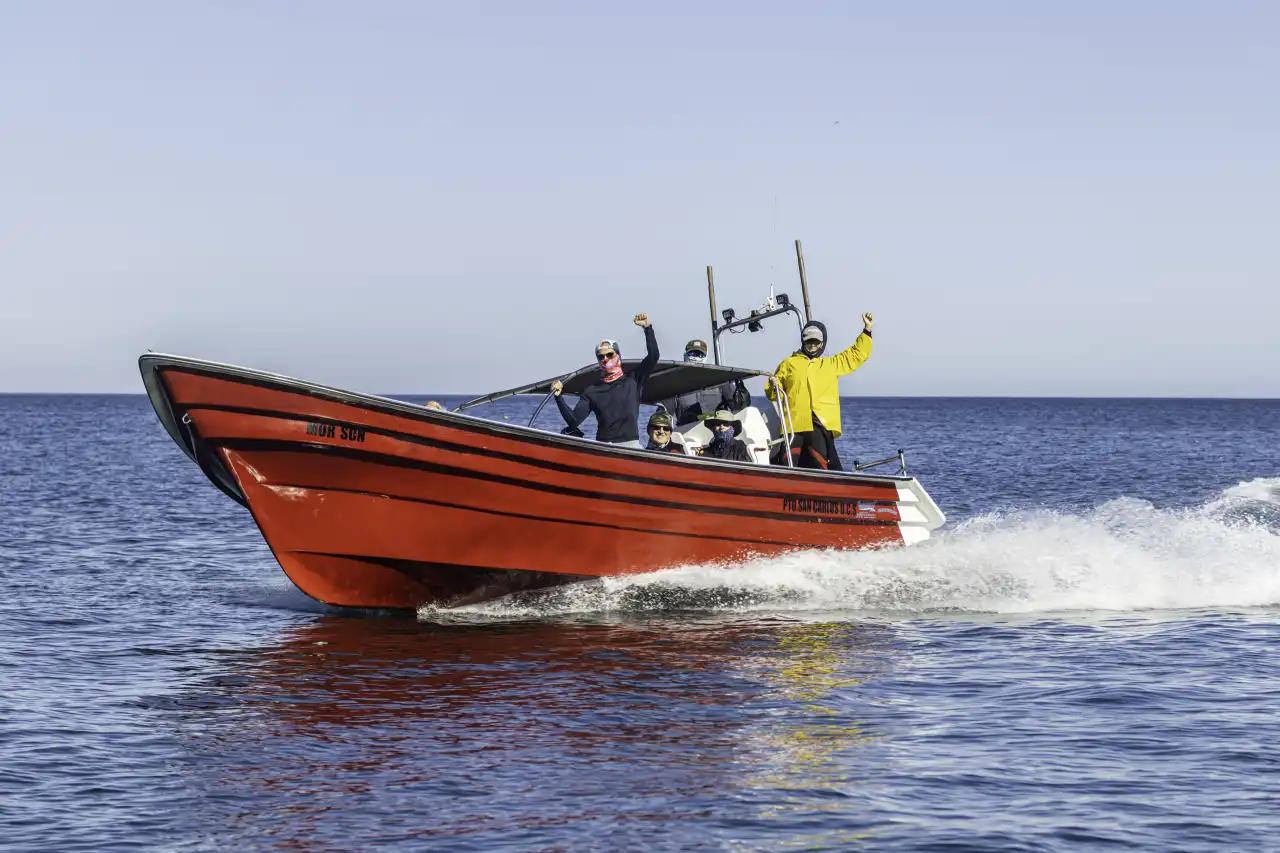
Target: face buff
x=813, y=339
x=609, y=358
x=611, y=367
x=722, y=433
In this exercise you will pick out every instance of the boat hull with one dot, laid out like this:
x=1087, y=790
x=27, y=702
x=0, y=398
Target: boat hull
x=368, y=502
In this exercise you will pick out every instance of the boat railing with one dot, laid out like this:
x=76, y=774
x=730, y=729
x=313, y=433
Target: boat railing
x=900, y=457
x=782, y=406
x=544, y=402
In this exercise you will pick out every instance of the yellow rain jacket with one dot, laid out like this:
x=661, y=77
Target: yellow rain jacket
x=812, y=385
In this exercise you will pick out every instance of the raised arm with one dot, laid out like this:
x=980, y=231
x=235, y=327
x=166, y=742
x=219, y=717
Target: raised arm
x=849, y=360
x=651, y=350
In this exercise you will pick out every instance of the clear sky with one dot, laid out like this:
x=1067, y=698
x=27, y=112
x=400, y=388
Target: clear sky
x=1034, y=199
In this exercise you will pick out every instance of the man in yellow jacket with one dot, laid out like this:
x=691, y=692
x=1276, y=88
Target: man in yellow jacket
x=812, y=385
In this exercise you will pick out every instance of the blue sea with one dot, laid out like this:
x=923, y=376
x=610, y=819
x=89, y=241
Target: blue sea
x=1084, y=658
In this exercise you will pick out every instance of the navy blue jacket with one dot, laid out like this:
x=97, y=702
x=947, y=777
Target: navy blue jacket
x=616, y=404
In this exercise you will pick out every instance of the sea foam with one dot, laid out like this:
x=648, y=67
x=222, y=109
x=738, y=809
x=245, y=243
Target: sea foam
x=1123, y=555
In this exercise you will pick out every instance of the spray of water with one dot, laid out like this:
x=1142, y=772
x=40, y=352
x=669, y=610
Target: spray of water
x=1124, y=555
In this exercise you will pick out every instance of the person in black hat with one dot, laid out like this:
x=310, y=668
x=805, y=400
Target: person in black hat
x=696, y=405
x=660, y=434
x=725, y=443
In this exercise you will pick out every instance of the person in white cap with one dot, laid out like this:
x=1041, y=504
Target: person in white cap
x=811, y=382
x=615, y=399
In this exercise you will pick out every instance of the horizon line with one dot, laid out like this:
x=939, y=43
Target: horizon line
x=842, y=396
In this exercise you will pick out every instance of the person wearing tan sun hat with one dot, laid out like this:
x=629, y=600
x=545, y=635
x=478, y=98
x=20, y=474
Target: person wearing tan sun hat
x=725, y=444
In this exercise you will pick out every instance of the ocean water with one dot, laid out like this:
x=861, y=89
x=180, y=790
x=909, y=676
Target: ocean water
x=1084, y=658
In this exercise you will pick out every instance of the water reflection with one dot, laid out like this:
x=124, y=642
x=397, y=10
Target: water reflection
x=810, y=762
x=519, y=734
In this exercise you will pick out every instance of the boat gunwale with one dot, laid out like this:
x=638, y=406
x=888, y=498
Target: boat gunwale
x=767, y=492
x=152, y=366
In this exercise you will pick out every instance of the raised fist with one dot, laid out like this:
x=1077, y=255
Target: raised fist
x=642, y=320
x=868, y=321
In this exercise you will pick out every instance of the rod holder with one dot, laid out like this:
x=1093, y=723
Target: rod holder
x=900, y=458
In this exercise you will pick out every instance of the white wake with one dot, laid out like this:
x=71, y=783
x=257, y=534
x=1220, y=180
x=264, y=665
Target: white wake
x=1124, y=555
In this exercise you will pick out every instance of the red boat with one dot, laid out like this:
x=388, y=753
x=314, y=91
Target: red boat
x=377, y=503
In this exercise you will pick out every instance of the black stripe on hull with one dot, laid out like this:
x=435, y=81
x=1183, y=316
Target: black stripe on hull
x=472, y=423
x=543, y=519
x=271, y=445
x=440, y=444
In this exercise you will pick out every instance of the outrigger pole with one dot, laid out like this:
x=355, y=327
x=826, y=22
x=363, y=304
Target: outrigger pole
x=711, y=295
x=804, y=284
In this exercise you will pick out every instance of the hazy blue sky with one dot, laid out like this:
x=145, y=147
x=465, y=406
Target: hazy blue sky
x=1034, y=198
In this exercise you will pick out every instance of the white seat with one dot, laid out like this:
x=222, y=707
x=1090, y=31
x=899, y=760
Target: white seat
x=755, y=434
x=693, y=436
x=677, y=438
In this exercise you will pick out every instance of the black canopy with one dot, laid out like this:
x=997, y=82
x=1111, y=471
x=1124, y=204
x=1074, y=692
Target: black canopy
x=669, y=379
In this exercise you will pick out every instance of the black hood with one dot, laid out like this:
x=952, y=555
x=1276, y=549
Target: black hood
x=817, y=325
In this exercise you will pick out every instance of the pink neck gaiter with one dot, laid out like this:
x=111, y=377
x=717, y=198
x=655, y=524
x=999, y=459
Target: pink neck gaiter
x=612, y=369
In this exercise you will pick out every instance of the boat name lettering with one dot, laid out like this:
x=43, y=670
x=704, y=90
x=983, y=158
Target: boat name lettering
x=342, y=431
x=831, y=506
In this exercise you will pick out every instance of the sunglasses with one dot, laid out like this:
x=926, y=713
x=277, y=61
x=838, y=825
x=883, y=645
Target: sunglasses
x=605, y=356
x=659, y=429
